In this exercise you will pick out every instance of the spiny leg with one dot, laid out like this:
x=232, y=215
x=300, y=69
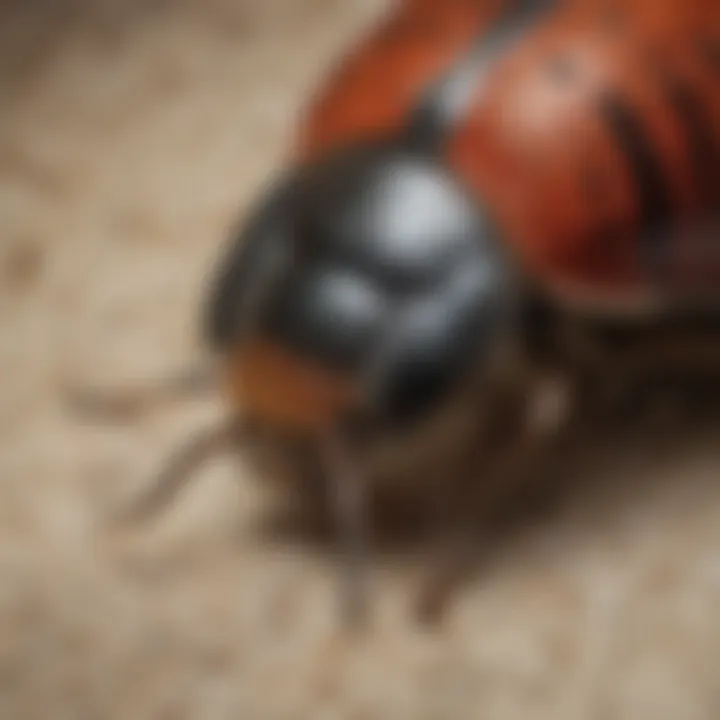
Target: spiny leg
x=482, y=509
x=125, y=402
x=478, y=521
x=177, y=472
x=347, y=489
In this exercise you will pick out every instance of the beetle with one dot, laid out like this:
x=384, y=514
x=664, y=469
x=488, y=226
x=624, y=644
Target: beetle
x=492, y=209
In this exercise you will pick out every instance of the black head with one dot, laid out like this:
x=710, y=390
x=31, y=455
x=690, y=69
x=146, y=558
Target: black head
x=374, y=264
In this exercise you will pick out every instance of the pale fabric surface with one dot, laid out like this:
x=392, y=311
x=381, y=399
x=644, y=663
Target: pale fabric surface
x=131, y=135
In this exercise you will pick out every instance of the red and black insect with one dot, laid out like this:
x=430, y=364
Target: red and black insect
x=473, y=167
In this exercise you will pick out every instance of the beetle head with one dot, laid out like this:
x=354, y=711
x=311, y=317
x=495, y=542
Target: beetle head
x=367, y=289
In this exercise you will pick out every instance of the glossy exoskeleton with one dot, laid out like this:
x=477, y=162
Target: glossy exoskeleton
x=480, y=195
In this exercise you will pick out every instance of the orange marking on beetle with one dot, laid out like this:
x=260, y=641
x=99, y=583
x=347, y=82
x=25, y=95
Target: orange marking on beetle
x=276, y=387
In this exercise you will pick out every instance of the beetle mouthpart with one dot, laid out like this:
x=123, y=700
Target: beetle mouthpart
x=283, y=391
x=346, y=489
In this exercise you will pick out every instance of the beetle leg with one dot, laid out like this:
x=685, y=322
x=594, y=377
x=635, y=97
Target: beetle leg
x=125, y=402
x=348, y=502
x=488, y=504
x=579, y=347
x=177, y=472
x=682, y=354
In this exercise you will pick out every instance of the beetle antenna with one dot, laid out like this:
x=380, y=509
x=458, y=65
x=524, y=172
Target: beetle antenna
x=178, y=470
x=348, y=501
x=124, y=402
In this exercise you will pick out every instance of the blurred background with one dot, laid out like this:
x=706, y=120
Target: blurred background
x=132, y=134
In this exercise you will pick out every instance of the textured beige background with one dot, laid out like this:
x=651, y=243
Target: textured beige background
x=131, y=134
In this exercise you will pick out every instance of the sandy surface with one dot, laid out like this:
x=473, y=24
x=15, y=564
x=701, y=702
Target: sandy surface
x=131, y=134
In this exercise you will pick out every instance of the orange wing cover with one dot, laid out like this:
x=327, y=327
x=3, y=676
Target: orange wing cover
x=593, y=137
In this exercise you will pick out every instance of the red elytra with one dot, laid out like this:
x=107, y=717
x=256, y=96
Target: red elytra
x=594, y=137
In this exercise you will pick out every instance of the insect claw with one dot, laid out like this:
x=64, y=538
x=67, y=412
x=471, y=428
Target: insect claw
x=455, y=563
